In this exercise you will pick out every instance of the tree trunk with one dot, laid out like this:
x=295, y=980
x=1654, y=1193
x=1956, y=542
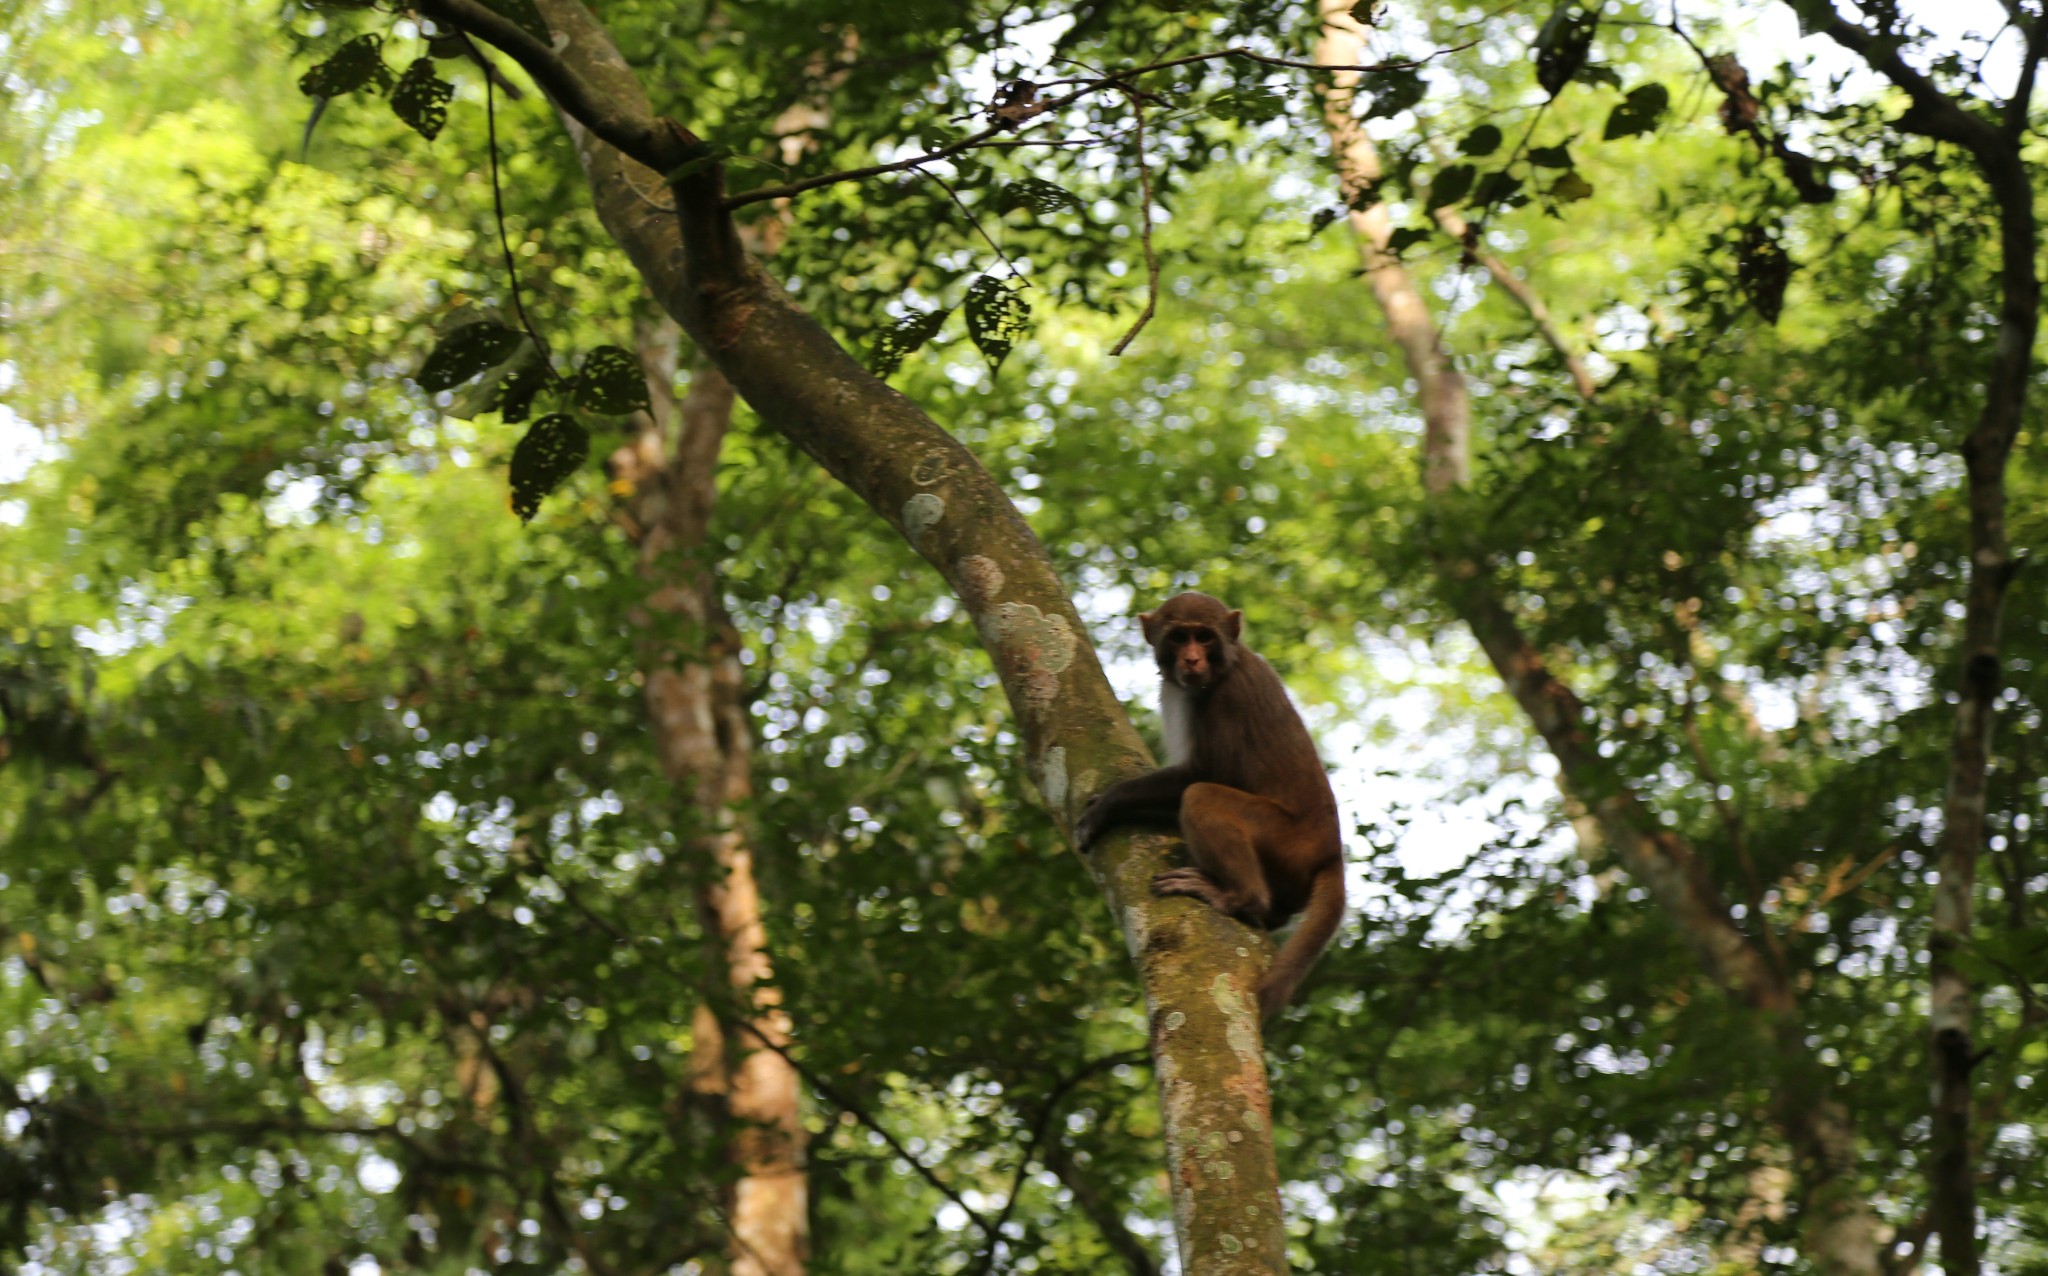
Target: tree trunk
x=1997, y=149
x=696, y=708
x=1842, y=1235
x=1200, y=969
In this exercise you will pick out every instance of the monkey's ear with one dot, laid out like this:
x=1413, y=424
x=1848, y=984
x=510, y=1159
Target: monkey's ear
x=1233, y=625
x=1145, y=622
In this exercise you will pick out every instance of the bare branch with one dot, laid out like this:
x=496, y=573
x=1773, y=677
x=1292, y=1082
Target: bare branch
x=1145, y=232
x=659, y=144
x=1933, y=113
x=1455, y=225
x=1086, y=87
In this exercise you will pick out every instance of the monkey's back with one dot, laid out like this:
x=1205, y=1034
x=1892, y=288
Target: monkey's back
x=1248, y=735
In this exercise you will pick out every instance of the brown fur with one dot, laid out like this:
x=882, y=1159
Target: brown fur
x=1244, y=785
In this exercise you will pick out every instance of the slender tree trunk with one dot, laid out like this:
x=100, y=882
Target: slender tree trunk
x=1200, y=969
x=1997, y=149
x=1951, y=1002
x=1842, y=1235
x=697, y=709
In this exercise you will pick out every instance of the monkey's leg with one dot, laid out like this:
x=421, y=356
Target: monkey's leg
x=1224, y=828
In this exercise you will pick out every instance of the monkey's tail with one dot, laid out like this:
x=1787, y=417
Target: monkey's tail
x=1319, y=922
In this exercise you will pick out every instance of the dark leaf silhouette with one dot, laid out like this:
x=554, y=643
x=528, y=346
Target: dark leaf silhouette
x=465, y=352
x=554, y=448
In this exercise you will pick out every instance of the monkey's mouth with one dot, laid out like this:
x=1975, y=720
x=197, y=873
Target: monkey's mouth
x=1194, y=679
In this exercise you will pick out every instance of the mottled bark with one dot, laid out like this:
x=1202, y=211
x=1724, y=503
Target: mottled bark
x=1997, y=149
x=1841, y=1233
x=1199, y=969
x=696, y=706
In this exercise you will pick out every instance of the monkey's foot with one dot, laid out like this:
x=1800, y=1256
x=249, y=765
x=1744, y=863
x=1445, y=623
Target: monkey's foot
x=1191, y=882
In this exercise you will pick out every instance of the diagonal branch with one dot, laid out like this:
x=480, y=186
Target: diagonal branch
x=1932, y=113
x=636, y=133
x=1049, y=108
x=1455, y=225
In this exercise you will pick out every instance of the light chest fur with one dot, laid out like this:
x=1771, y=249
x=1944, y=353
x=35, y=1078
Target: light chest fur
x=1177, y=716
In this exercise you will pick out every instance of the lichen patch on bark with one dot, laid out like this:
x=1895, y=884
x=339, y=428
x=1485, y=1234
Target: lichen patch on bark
x=980, y=580
x=1035, y=647
x=921, y=513
x=1052, y=778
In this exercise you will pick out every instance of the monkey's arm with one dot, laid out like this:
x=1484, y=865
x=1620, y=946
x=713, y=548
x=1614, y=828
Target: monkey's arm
x=1152, y=798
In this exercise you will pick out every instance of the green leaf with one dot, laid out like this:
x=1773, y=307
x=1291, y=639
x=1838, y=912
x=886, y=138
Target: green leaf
x=1570, y=188
x=421, y=98
x=1484, y=140
x=514, y=398
x=611, y=381
x=1599, y=73
x=1450, y=185
x=465, y=352
x=1040, y=196
x=1250, y=106
x=1496, y=188
x=525, y=13
x=1405, y=238
x=1564, y=41
x=997, y=315
x=1393, y=91
x=1763, y=268
x=904, y=338
x=1550, y=156
x=355, y=65
x=1639, y=112
x=554, y=448
x=446, y=48
x=1322, y=221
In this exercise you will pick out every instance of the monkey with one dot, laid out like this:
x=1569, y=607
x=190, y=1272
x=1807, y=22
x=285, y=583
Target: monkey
x=1244, y=784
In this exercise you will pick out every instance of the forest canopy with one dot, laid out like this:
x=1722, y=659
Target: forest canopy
x=567, y=572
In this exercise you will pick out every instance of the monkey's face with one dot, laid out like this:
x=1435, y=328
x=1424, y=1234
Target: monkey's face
x=1193, y=656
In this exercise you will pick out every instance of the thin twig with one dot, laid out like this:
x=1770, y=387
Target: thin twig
x=982, y=137
x=498, y=209
x=1039, y=1128
x=975, y=222
x=1144, y=231
x=838, y=1099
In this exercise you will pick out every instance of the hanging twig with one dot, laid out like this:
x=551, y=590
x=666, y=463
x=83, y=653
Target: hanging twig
x=1144, y=229
x=975, y=222
x=498, y=210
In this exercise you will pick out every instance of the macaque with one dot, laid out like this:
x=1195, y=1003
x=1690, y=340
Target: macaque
x=1244, y=785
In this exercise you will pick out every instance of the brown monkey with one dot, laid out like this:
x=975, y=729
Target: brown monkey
x=1244, y=784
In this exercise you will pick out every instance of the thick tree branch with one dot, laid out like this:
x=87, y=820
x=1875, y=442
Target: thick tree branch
x=1199, y=968
x=2018, y=107
x=1931, y=112
x=637, y=133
